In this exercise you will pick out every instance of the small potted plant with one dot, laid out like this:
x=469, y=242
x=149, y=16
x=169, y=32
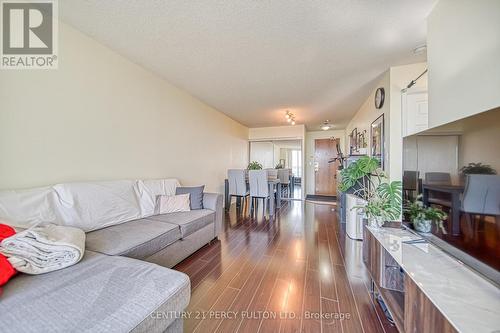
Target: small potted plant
x=279, y=166
x=254, y=166
x=477, y=169
x=422, y=217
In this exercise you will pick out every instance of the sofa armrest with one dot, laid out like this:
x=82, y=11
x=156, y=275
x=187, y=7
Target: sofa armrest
x=213, y=201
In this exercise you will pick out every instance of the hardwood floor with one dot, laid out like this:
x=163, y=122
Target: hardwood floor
x=294, y=273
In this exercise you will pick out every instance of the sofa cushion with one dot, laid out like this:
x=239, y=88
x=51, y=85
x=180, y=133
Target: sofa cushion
x=135, y=239
x=188, y=222
x=99, y=294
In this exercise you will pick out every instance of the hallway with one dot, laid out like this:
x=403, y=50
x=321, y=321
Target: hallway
x=296, y=273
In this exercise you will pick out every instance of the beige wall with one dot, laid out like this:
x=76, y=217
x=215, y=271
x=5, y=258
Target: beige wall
x=449, y=147
x=99, y=116
x=367, y=113
x=480, y=140
x=393, y=81
x=309, y=153
x=400, y=77
x=464, y=59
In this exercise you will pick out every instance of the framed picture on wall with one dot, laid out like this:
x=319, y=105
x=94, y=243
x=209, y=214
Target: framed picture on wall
x=377, y=140
x=353, y=144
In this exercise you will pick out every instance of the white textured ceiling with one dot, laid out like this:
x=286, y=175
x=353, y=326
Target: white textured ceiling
x=253, y=59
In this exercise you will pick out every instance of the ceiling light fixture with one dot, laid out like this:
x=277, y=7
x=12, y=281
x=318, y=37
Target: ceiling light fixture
x=420, y=49
x=326, y=125
x=290, y=117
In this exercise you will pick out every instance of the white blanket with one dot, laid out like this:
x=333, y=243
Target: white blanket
x=44, y=249
x=87, y=206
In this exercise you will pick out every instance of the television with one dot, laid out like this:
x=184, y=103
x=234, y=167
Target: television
x=454, y=168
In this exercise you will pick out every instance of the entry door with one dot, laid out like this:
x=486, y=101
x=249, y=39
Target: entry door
x=325, y=174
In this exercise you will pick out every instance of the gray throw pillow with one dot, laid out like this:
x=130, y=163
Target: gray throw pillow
x=196, y=195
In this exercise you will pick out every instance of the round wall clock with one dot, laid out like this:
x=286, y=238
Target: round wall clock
x=379, y=98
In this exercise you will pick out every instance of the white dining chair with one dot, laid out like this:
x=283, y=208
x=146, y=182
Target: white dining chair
x=259, y=187
x=481, y=198
x=284, y=177
x=237, y=184
x=272, y=174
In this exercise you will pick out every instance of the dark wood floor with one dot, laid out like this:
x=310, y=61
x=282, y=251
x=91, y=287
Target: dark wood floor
x=294, y=273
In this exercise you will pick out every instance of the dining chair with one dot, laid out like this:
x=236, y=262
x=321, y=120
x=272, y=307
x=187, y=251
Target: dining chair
x=237, y=185
x=272, y=173
x=438, y=178
x=435, y=197
x=481, y=198
x=410, y=184
x=259, y=187
x=284, y=177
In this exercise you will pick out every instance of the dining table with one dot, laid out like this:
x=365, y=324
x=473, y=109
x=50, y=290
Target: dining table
x=456, y=193
x=274, y=188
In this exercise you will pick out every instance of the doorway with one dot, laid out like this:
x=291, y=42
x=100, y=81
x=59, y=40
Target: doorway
x=325, y=168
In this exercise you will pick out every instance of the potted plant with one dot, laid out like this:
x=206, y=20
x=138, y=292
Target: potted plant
x=384, y=203
x=369, y=182
x=422, y=217
x=477, y=169
x=356, y=174
x=254, y=166
x=279, y=166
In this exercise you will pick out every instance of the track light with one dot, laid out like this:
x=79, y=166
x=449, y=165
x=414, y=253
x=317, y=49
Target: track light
x=290, y=117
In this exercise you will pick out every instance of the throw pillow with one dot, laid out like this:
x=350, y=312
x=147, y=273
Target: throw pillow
x=174, y=203
x=6, y=269
x=196, y=193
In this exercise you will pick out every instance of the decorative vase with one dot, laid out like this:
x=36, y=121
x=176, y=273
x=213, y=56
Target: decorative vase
x=376, y=222
x=422, y=225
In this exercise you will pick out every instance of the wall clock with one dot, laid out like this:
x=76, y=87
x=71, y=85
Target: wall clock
x=379, y=98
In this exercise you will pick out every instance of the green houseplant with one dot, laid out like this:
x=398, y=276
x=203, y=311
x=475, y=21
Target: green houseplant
x=356, y=173
x=279, y=166
x=477, y=169
x=369, y=182
x=254, y=166
x=422, y=217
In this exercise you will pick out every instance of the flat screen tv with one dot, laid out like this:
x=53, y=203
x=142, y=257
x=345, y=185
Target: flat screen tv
x=455, y=168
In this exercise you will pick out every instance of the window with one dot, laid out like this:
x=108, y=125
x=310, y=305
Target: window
x=296, y=163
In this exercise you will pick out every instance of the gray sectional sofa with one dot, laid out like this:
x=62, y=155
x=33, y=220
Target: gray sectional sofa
x=122, y=284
